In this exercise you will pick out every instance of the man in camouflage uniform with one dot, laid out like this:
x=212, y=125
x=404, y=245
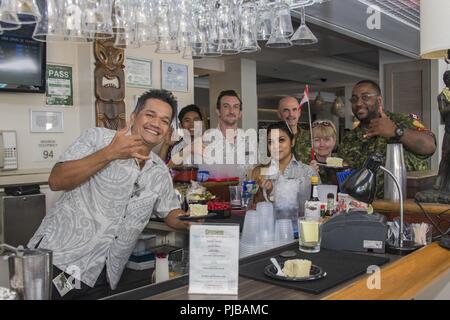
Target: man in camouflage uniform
x=289, y=110
x=377, y=128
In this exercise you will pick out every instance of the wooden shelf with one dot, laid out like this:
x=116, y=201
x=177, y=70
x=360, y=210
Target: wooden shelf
x=24, y=177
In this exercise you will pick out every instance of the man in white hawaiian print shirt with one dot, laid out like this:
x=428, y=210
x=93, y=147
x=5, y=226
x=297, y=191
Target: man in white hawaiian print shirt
x=113, y=183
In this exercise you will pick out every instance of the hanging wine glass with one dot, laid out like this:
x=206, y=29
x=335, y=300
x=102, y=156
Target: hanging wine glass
x=145, y=23
x=303, y=35
x=72, y=21
x=8, y=16
x=27, y=11
x=249, y=42
x=96, y=19
x=50, y=28
x=281, y=28
x=264, y=21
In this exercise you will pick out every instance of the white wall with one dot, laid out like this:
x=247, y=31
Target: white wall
x=15, y=111
x=184, y=98
x=15, y=107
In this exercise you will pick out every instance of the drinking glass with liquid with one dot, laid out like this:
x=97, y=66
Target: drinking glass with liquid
x=310, y=234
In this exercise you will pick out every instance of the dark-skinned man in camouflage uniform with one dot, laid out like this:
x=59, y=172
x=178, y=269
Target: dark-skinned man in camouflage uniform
x=289, y=110
x=378, y=127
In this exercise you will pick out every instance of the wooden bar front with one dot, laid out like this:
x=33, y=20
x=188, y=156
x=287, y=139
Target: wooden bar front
x=403, y=279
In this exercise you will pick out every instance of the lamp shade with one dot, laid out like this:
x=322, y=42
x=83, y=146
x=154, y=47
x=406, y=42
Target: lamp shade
x=362, y=184
x=434, y=29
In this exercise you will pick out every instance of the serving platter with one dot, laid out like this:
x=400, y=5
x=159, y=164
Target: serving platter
x=194, y=218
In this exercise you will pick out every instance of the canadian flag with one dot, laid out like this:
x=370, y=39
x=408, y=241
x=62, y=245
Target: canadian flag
x=305, y=98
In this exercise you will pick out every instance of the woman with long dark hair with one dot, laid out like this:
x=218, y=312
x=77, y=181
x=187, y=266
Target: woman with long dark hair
x=283, y=163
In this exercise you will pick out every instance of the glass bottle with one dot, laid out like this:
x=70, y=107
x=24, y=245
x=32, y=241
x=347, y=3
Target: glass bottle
x=314, y=192
x=330, y=204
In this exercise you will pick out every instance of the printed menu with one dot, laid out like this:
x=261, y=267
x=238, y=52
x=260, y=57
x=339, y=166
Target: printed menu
x=214, y=259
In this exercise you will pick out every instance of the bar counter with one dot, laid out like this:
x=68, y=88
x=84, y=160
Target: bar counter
x=410, y=207
x=437, y=212
x=402, y=278
x=406, y=278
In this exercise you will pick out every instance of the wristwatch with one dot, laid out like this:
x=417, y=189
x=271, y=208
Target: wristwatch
x=399, y=132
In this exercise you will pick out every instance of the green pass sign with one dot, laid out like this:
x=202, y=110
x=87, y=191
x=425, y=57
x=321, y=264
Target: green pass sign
x=59, y=85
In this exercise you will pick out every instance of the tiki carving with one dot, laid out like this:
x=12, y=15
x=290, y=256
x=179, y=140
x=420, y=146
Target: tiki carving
x=109, y=85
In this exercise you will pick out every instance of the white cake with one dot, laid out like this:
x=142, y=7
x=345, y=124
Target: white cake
x=297, y=268
x=334, y=162
x=197, y=210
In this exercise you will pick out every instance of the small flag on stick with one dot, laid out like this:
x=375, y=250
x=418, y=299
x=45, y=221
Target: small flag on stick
x=305, y=99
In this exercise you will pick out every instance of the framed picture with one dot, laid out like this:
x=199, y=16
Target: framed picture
x=138, y=72
x=46, y=121
x=174, y=76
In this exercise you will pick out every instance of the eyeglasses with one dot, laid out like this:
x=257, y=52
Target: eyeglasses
x=365, y=97
x=322, y=123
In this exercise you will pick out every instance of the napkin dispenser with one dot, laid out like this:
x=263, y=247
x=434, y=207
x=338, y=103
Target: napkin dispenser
x=355, y=230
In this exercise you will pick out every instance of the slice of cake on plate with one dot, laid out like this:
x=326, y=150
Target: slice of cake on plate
x=297, y=268
x=335, y=162
x=198, y=210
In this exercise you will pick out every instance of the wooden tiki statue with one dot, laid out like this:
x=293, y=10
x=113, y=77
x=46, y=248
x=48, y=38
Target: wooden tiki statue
x=109, y=85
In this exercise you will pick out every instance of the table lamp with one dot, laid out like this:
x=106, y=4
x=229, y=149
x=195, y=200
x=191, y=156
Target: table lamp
x=362, y=186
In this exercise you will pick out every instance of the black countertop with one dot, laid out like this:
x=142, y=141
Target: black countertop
x=175, y=283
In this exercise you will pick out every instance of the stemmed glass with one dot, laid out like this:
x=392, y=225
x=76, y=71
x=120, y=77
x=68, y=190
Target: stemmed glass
x=249, y=42
x=281, y=28
x=50, y=28
x=303, y=35
x=8, y=16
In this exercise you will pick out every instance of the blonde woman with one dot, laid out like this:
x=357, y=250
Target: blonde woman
x=324, y=142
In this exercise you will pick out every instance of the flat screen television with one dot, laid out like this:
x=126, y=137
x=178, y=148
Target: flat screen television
x=22, y=61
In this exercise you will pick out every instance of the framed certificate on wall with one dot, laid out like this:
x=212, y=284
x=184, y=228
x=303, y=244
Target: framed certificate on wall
x=138, y=72
x=174, y=76
x=46, y=121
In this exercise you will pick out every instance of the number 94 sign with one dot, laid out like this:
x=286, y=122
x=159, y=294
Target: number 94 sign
x=47, y=154
x=46, y=150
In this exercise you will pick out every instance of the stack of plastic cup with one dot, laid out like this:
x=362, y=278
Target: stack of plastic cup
x=258, y=230
x=262, y=232
x=284, y=232
x=251, y=234
x=266, y=213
